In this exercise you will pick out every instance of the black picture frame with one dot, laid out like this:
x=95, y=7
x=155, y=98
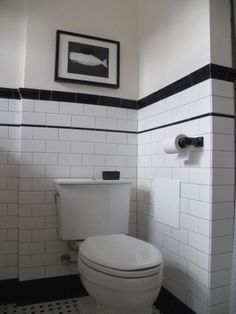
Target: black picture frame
x=84, y=59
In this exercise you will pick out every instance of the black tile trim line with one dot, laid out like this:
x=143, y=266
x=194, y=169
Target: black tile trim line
x=10, y=125
x=76, y=128
x=167, y=303
x=11, y=93
x=40, y=94
x=65, y=287
x=210, y=114
x=41, y=290
x=65, y=127
x=208, y=71
x=51, y=95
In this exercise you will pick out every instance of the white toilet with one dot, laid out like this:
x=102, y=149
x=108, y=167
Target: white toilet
x=121, y=273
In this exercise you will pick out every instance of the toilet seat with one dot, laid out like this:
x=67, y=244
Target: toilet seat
x=121, y=256
x=121, y=274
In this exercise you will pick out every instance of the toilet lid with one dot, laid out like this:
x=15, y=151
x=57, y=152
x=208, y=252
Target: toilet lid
x=121, y=252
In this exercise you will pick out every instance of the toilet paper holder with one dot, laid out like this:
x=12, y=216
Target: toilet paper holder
x=195, y=141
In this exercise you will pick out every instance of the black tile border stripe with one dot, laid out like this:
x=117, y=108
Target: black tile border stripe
x=210, y=114
x=10, y=125
x=41, y=290
x=58, y=288
x=213, y=71
x=64, y=127
x=8, y=290
x=75, y=128
x=10, y=93
x=52, y=95
x=206, y=72
x=167, y=303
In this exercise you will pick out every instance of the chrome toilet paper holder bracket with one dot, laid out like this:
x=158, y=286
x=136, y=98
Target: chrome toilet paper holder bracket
x=195, y=141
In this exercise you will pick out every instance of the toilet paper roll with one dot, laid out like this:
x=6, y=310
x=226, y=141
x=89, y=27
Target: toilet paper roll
x=171, y=145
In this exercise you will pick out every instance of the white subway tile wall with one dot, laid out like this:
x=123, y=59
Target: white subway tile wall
x=9, y=164
x=197, y=256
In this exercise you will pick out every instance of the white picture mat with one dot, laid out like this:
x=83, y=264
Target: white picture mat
x=63, y=60
x=167, y=201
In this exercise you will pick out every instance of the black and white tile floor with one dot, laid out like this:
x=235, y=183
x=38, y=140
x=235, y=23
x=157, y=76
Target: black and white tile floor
x=84, y=305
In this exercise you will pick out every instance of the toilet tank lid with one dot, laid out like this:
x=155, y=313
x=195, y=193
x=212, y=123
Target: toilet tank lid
x=67, y=181
x=121, y=252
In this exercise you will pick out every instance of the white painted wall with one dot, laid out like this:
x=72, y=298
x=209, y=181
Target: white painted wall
x=174, y=40
x=220, y=32
x=105, y=18
x=12, y=39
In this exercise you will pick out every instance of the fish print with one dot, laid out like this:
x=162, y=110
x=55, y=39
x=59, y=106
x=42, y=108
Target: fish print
x=87, y=59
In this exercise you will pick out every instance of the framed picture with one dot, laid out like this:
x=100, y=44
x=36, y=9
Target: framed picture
x=86, y=59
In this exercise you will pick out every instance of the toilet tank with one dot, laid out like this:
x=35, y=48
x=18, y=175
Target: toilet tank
x=92, y=207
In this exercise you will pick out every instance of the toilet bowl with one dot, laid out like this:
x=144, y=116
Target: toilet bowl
x=120, y=272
